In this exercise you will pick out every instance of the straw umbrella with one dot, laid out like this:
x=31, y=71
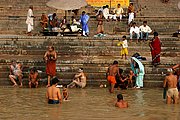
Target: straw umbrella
x=66, y=4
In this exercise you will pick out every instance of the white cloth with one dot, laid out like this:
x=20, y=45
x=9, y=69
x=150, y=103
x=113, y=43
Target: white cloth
x=16, y=70
x=134, y=29
x=29, y=20
x=131, y=17
x=118, y=11
x=145, y=29
x=107, y=15
x=125, y=44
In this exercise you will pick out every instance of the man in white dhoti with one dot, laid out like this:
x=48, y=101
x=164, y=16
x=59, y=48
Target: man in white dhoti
x=106, y=14
x=29, y=20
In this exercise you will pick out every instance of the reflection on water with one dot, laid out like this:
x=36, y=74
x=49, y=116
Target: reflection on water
x=85, y=104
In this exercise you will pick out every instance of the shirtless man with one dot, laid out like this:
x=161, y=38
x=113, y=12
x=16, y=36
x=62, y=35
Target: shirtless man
x=33, y=78
x=120, y=102
x=172, y=92
x=53, y=93
x=16, y=73
x=112, y=71
x=79, y=79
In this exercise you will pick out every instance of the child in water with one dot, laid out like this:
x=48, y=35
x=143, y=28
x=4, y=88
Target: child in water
x=65, y=93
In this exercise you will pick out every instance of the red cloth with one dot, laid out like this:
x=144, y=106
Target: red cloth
x=155, y=52
x=51, y=67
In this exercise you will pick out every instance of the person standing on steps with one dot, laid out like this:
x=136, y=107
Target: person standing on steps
x=50, y=58
x=84, y=22
x=29, y=21
x=155, y=46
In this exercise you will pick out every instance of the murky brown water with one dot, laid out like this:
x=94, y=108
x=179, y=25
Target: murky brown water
x=85, y=104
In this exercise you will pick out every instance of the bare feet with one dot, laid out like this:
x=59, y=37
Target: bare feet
x=15, y=85
x=21, y=86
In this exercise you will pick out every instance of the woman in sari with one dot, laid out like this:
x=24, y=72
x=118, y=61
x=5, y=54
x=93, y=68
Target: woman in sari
x=50, y=58
x=155, y=46
x=138, y=69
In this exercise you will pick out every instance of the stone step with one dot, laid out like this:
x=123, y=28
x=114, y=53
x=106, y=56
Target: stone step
x=43, y=82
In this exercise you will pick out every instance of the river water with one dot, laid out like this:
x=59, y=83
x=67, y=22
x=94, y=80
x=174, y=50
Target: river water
x=85, y=104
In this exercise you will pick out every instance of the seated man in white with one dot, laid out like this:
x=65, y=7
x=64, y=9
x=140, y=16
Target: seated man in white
x=118, y=11
x=144, y=31
x=134, y=32
x=106, y=14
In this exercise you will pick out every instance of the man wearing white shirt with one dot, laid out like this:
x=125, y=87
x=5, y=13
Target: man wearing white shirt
x=144, y=30
x=134, y=32
x=119, y=11
x=106, y=14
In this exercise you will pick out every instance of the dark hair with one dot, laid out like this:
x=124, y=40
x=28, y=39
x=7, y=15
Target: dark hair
x=34, y=69
x=119, y=4
x=119, y=97
x=124, y=37
x=54, y=80
x=104, y=7
x=107, y=6
x=134, y=23
x=54, y=15
x=144, y=21
x=155, y=34
x=83, y=12
x=115, y=62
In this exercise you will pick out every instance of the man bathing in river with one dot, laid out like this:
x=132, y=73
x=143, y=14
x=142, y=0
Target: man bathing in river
x=53, y=93
x=172, y=92
x=112, y=71
x=120, y=102
x=33, y=78
x=79, y=79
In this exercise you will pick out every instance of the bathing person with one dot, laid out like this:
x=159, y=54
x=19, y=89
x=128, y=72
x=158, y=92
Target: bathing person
x=172, y=92
x=33, y=78
x=53, y=93
x=50, y=58
x=65, y=93
x=120, y=102
x=112, y=71
x=16, y=73
x=79, y=79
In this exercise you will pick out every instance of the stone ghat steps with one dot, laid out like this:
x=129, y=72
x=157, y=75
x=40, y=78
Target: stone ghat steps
x=89, y=68
x=43, y=82
x=156, y=6
x=94, y=52
x=162, y=25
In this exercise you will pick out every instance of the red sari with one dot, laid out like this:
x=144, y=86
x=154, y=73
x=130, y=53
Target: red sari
x=156, y=50
x=50, y=66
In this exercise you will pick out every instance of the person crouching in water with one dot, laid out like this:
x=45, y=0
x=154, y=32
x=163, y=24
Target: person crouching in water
x=172, y=92
x=79, y=79
x=33, y=78
x=120, y=102
x=53, y=93
x=65, y=93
